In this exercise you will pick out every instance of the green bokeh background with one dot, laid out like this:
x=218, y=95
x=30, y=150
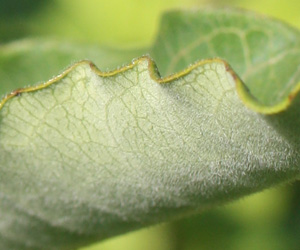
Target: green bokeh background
x=269, y=220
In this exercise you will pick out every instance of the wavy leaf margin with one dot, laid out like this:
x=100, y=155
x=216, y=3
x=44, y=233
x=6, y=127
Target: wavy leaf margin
x=243, y=92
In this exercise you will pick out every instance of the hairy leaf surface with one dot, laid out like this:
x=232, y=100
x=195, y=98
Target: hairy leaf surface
x=91, y=154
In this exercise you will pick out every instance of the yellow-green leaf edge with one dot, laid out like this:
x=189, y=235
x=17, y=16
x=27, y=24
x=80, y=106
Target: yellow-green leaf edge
x=247, y=98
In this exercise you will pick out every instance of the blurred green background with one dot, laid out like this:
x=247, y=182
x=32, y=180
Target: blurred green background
x=115, y=22
x=269, y=220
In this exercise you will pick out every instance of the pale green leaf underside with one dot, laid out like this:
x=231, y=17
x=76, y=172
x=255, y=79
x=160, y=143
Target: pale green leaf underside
x=101, y=154
x=89, y=154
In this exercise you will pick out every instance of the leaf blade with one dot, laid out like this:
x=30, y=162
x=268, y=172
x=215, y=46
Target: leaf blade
x=264, y=52
x=114, y=169
x=93, y=154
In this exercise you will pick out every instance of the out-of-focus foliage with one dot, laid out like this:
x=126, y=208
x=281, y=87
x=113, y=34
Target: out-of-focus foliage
x=114, y=22
x=117, y=22
x=285, y=10
x=14, y=17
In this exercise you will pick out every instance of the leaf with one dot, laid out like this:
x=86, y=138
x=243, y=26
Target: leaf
x=92, y=154
x=17, y=60
x=265, y=53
